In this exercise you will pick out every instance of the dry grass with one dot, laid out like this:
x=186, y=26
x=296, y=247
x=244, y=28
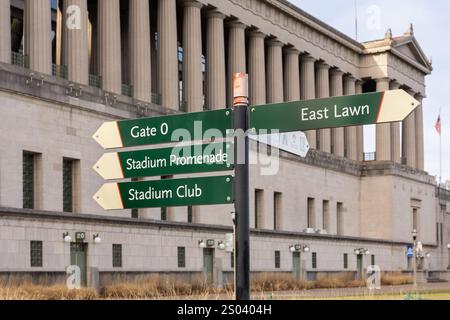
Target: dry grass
x=396, y=279
x=167, y=287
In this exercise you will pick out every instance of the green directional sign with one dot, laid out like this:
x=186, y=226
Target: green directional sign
x=157, y=130
x=369, y=108
x=166, y=193
x=167, y=161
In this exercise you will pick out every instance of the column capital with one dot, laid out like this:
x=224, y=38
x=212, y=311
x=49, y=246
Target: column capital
x=292, y=50
x=336, y=72
x=307, y=57
x=213, y=13
x=236, y=24
x=192, y=3
x=350, y=78
x=359, y=82
x=275, y=43
x=256, y=34
x=394, y=84
x=411, y=92
x=383, y=80
x=419, y=96
x=322, y=65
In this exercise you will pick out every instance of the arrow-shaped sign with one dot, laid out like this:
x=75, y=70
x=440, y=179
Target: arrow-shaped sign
x=166, y=129
x=292, y=142
x=166, y=193
x=344, y=111
x=167, y=161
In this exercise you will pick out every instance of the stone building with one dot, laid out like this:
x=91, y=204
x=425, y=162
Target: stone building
x=67, y=66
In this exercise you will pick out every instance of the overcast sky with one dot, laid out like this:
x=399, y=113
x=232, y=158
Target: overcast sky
x=431, y=21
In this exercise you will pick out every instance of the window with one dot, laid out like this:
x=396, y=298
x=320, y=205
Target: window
x=36, y=253
x=415, y=219
x=372, y=260
x=437, y=233
x=68, y=185
x=310, y=213
x=345, y=261
x=276, y=210
x=277, y=259
x=181, y=257
x=259, y=205
x=442, y=234
x=340, y=218
x=232, y=259
x=314, y=260
x=117, y=255
x=326, y=215
x=189, y=214
x=28, y=180
x=164, y=214
x=135, y=213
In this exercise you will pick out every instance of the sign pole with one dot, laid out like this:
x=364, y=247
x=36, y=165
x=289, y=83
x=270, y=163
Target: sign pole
x=241, y=190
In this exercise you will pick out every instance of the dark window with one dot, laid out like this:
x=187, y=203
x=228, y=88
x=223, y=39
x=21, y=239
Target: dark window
x=310, y=213
x=277, y=259
x=164, y=214
x=181, y=257
x=314, y=260
x=36, y=253
x=189, y=214
x=117, y=255
x=135, y=213
x=232, y=259
x=67, y=185
x=28, y=180
x=345, y=261
x=277, y=196
x=258, y=207
x=372, y=259
x=340, y=218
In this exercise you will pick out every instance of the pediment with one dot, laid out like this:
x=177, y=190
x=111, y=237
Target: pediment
x=408, y=47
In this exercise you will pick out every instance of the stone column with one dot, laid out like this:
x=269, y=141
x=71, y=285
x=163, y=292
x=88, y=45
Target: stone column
x=38, y=43
x=274, y=79
x=215, y=62
x=256, y=68
x=420, y=161
x=359, y=129
x=5, y=31
x=109, y=45
x=323, y=91
x=76, y=51
x=308, y=90
x=192, y=57
x=168, y=54
x=140, y=52
x=336, y=87
x=236, y=55
x=351, y=133
x=291, y=75
x=395, y=132
x=409, y=138
x=383, y=135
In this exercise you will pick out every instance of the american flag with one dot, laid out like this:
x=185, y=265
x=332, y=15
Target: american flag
x=438, y=125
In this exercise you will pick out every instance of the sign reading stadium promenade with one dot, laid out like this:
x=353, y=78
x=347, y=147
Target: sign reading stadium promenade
x=167, y=161
x=166, y=129
x=344, y=111
x=163, y=193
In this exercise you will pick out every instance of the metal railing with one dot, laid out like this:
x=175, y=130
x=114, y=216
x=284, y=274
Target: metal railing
x=156, y=98
x=59, y=71
x=370, y=156
x=95, y=81
x=127, y=90
x=20, y=60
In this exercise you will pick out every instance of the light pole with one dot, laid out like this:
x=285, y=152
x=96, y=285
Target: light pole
x=414, y=234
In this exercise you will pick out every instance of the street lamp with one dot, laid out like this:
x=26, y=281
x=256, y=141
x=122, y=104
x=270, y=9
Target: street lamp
x=414, y=235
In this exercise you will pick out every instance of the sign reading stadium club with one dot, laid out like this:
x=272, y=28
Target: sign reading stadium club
x=343, y=111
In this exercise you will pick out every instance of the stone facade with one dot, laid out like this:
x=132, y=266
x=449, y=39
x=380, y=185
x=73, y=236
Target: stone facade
x=332, y=200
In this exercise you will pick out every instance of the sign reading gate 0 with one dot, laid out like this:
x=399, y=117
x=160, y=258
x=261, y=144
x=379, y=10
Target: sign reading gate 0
x=157, y=130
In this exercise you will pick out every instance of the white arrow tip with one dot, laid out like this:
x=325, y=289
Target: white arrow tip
x=109, y=167
x=397, y=105
x=108, y=197
x=108, y=135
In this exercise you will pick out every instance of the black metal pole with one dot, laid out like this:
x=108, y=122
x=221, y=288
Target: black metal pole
x=241, y=196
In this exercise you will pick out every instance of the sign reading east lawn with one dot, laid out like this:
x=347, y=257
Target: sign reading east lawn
x=166, y=193
x=343, y=111
x=167, y=161
x=165, y=129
